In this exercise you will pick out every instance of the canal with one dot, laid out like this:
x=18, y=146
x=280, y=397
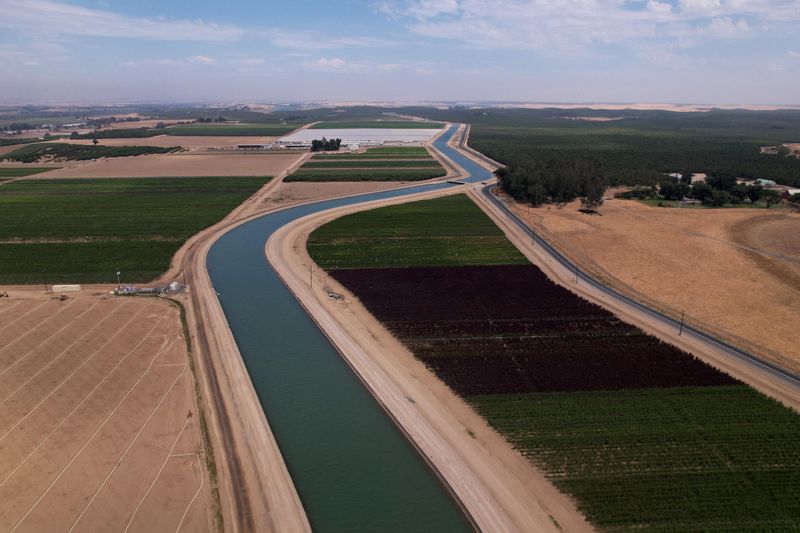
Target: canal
x=352, y=467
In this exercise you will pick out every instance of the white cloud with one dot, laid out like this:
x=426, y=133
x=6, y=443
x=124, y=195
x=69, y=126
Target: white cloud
x=659, y=7
x=52, y=19
x=550, y=25
x=332, y=64
x=792, y=53
x=203, y=60
x=727, y=27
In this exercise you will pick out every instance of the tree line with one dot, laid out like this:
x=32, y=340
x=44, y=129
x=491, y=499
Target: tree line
x=325, y=145
x=557, y=180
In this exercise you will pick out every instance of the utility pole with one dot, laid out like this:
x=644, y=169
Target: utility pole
x=44, y=274
x=680, y=331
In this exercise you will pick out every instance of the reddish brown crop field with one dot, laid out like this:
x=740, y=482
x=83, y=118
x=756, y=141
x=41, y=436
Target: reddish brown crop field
x=508, y=329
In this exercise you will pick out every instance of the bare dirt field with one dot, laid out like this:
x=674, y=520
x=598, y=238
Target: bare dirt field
x=99, y=428
x=736, y=272
x=190, y=142
x=157, y=165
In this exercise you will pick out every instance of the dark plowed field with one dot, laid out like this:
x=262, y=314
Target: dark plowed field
x=508, y=329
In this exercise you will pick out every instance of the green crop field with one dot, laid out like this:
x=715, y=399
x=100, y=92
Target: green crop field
x=79, y=152
x=397, y=150
x=674, y=459
x=442, y=232
x=370, y=157
x=377, y=124
x=7, y=172
x=636, y=453
x=365, y=175
x=350, y=163
x=10, y=141
x=82, y=230
x=221, y=129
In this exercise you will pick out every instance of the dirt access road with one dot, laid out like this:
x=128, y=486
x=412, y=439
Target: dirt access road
x=99, y=427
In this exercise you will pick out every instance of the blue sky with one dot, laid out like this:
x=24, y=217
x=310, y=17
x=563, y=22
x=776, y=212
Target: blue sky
x=681, y=51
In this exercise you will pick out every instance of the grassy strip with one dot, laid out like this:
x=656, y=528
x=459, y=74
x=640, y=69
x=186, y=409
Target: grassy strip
x=369, y=157
x=10, y=141
x=364, y=175
x=443, y=231
x=27, y=171
x=399, y=150
x=80, y=152
x=83, y=230
x=705, y=458
x=122, y=133
x=243, y=130
x=351, y=163
x=377, y=124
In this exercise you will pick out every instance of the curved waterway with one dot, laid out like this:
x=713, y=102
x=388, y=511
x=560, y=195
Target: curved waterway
x=352, y=467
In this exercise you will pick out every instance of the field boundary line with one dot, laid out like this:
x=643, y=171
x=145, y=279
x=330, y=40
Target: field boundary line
x=119, y=460
x=196, y=494
x=40, y=402
x=13, y=306
x=63, y=420
x=40, y=323
x=155, y=479
x=23, y=316
x=28, y=353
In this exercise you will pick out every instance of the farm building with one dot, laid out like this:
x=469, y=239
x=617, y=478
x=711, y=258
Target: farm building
x=765, y=183
x=253, y=146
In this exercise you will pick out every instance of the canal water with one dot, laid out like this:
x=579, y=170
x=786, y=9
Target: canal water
x=353, y=469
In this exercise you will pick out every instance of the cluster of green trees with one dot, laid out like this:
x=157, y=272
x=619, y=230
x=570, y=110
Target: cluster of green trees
x=558, y=180
x=637, y=147
x=206, y=120
x=718, y=189
x=325, y=145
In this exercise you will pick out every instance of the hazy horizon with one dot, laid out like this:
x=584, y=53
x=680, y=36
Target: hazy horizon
x=702, y=52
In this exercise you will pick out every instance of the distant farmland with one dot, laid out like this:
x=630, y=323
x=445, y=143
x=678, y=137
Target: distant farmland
x=377, y=124
x=17, y=172
x=84, y=230
x=80, y=152
x=267, y=130
x=399, y=163
x=643, y=435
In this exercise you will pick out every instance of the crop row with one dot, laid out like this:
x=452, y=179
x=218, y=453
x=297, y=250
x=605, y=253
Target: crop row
x=374, y=163
x=576, y=346
x=707, y=458
x=78, y=229
x=16, y=172
x=79, y=152
x=364, y=175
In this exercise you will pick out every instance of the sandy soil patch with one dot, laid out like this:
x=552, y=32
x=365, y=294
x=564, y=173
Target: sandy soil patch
x=157, y=165
x=736, y=272
x=99, y=427
x=189, y=142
